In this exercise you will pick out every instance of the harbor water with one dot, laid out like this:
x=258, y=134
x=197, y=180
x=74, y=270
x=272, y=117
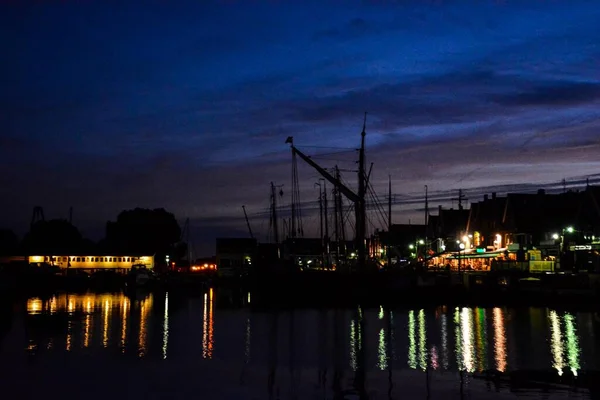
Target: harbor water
x=214, y=345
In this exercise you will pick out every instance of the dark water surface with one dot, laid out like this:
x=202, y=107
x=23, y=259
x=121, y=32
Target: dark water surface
x=155, y=346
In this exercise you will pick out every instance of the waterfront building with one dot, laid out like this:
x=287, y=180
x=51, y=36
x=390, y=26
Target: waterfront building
x=116, y=262
x=235, y=256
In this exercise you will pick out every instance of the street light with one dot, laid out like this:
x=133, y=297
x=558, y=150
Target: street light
x=555, y=236
x=570, y=229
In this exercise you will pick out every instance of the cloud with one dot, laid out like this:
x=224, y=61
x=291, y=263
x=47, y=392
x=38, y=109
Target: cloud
x=355, y=28
x=556, y=94
x=190, y=111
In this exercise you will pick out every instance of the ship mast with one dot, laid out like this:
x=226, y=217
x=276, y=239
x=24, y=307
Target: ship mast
x=361, y=205
x=357, y=198
x=274, y=214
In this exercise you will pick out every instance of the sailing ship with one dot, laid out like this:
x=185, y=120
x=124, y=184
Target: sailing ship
x=343, y=267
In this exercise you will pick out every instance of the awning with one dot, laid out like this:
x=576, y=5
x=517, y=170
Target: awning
x=472, y=255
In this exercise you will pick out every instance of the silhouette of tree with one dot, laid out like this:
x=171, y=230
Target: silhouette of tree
x=9, y=242
x=143, y=231
x=54, y=236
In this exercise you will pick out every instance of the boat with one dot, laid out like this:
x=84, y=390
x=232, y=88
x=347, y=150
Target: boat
x=139, y=276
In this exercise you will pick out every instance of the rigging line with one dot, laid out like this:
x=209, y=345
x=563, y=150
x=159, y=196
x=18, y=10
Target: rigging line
x=377, y=211
x=377, y=201
x=347, y=216
x=329, y=147
x=338, y=160
x=372, y=224
x=331, y=153
x=380, y=218
x=379, y=205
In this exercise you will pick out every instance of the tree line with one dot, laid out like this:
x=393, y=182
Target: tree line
x=136, y=231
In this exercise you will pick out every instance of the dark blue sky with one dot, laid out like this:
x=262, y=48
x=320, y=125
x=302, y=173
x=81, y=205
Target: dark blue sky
x=108, y=105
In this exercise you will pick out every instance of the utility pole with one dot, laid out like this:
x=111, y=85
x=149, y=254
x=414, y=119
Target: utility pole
x=426, y=213
x=274, y=213
x=460, y=199
x=389, y=241
x=340, y=211
x=325, y=218
x=293, y=221
x=336, y=222
x=320, y=211
x=247, y=222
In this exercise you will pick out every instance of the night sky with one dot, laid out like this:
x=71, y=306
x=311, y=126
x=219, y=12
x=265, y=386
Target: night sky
x=186, y=105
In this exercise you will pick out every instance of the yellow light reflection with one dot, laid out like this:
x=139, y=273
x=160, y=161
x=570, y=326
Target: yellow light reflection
x=556, y=343
x=53, y=303
x=124, y=313
x=105, y=327
x=468, y=350
x=81, y=332
x=381, y=353
x=69, y=339
x=499, y=340
x=34, y=306
x=87, y=331
x=422, y=341
x=166, y=327
x=88, y=304
x=573, y=350
x=412, y=341
x=207, y=337
x=145, y=307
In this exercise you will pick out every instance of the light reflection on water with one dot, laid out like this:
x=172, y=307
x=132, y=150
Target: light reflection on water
x=157, y=326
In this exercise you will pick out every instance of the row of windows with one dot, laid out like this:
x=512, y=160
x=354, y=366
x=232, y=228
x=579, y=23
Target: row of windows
x=91, y=259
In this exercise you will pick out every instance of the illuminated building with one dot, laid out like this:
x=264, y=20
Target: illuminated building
x=114, y=262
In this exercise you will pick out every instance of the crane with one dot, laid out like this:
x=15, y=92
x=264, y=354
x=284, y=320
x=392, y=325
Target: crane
x=357, y=198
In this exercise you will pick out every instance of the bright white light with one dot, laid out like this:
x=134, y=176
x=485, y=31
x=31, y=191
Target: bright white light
x=462, y=246
x=555, y=236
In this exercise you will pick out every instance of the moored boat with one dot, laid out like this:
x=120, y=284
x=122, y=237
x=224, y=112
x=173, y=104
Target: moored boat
x=139, y=276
